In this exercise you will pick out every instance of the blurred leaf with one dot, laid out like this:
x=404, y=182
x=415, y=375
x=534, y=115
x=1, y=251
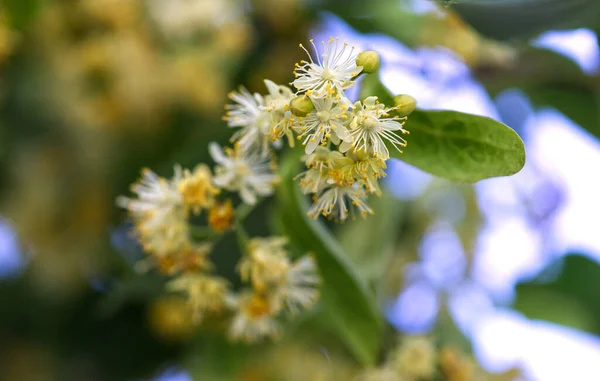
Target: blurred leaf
x=447, y=332
x=389, y=17
x=571, y=298
x=580, y=105
x=539, y=303
x=371, y=255
x=468, y=227
x=214, y=358
x=505, y=19
x=346, y=298
x=436, y=28
x=550, y=80
x=457, y=146
x=380, y=17
x=532, y=67
x=21, y=12
x=135, y=289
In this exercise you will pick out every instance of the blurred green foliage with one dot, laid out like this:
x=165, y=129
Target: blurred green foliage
x=564, y=294
x=346, y=300
x=506, y=19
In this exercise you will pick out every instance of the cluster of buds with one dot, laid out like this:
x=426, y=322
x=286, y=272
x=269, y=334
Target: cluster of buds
x=346, y=144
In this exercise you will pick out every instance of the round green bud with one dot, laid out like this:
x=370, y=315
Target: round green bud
x=369, y=60
x=301, y=105
x=405, y=104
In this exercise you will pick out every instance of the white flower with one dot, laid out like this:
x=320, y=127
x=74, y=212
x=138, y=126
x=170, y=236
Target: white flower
x=155, y=195
x=196, y=188
x=182, y=18
x=251, y=115
x=261, y=118
x=333, y=201
x=284, y=125
x=360, y=167
x=319, y=164
x=415, y=358
x=248, y=173
x=266, y=263
x=277, y=103
x=254, y=319
x=205, y=293
x=278, y=98
x=290, y=286
x=158, y=214
x=298, y=291
x=332, y=73
x=371, y=125
x=313, y=180
x=379, y=374
x=325, y=122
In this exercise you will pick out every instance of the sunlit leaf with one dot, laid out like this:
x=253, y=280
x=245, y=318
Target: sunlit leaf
x=550, y=80
x=462, y=147
x=21, y=12
x=565, y=294
x=531, y=67
x=579, y=104
x=346, y=299
x=456, y=146
x=505, y=19
x=373, y=255
x=541, y=303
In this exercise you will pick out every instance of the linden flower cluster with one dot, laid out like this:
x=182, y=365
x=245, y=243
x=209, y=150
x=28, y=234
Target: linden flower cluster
x=346, y=144
x=346, y=150
x=161, y=213
x=414, y=359
x=417, y=358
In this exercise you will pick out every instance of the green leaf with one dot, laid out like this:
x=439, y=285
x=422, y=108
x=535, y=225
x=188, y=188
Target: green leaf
x=566, y=293
x=540, y=303
x=384, y=16
x=506, y=19
x=531, y=67
x=550, y=80
x=372, y=256
x=580, y=105
x=346, y=299
x=21, y=12
x=457, y=146
x=461, y=147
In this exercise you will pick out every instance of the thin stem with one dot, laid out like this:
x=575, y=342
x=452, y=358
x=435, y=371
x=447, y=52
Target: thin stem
x=205, y=233
x=241, y=213
x=357, y=76
x=242, y=236
x=244, y=210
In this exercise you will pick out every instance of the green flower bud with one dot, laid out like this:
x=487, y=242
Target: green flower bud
x=369, y=60
x=301, y=105
x=405, y=104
